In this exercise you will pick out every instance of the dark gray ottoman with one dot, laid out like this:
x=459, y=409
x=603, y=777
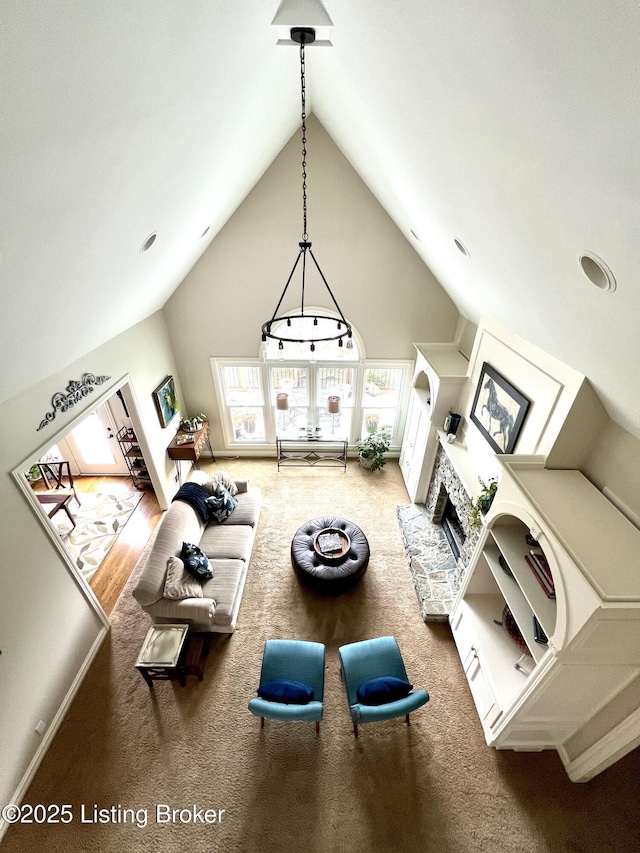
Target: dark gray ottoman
x=331, y=572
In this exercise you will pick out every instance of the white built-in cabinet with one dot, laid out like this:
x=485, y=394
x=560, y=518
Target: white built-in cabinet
x=438, y=376
x=575, y=693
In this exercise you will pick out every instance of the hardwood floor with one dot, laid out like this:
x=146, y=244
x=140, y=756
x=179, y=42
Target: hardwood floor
x=109, y=580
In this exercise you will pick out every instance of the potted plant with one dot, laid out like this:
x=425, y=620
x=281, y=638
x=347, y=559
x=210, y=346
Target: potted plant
x=371, y=421
x=371, y=451
x=193, y=424
x=483, y=502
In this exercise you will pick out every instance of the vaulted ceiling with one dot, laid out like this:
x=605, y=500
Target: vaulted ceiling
x=510, y=127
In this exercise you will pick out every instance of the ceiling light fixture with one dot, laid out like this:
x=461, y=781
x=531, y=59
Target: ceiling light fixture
x=304, y=327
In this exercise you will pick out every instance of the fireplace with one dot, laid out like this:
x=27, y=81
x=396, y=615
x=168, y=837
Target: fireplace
x=445, y=514
x=453, y=529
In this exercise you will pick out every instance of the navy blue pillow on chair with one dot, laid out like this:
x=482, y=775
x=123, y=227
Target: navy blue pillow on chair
x=287, y=692
x=379, y=691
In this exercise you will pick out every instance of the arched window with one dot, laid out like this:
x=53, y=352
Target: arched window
x=291, y=389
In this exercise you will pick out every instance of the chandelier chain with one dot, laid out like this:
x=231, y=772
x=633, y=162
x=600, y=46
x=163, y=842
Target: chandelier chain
x=305, y=236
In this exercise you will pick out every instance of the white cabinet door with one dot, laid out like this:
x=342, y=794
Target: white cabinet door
x=414, y=445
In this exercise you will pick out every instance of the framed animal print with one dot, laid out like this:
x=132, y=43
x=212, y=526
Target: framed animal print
x=498, y=410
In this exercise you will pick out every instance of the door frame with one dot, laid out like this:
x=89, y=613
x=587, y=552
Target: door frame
x=123, y=384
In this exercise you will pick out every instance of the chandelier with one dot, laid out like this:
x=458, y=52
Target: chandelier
x=304, y=327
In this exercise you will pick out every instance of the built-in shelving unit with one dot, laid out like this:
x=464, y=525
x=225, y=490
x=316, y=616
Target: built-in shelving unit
x=134, y=458
x=439, y=373
x=560, y=692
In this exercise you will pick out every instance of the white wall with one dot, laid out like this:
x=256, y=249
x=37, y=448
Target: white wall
x=552, y=389
x=380, y=283
x=48, y=627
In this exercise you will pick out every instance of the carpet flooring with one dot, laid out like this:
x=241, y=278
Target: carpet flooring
x=432, y=786
x=99, y=520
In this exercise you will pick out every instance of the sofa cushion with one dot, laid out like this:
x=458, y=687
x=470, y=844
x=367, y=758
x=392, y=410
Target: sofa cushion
x=247, y=509
x=220, y=505
x=227, y=541
x=379, y=691
x=179, y=583
x=225, y=589
x=196, y=562
x=180, y=523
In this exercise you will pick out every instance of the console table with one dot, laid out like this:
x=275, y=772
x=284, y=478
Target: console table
x=179, y=450
x=324, y=452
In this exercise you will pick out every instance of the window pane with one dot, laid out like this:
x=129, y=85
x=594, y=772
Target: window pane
x=242, y=385
x=293, y=381
x=248, y=424
x=377, y=420
x=382, y=387
x=335, y=382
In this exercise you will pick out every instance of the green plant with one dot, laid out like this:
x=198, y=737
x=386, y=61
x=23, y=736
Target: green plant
x=483, y=502
x=194, y=423
x=371, y=451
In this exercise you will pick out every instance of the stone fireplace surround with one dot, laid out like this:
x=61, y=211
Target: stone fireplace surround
x=437, y=574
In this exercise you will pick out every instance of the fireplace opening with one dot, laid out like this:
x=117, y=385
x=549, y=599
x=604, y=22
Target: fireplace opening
x=452, y=528
x=444, y=514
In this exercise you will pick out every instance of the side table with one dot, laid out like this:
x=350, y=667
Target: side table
x=180, y=450
x=171, y=652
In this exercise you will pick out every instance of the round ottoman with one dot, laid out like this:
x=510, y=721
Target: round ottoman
x=335, y=571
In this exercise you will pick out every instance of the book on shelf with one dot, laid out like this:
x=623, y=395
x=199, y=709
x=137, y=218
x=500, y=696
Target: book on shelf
x=547, y=587
x=185, y=439
x=541, y=562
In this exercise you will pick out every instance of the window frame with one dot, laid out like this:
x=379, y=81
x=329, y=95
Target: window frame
x=268, y=406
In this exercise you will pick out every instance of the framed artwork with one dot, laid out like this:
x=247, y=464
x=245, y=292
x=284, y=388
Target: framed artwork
x=166, y=402
x=498, y=410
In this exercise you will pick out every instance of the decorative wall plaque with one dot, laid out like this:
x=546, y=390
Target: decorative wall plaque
x=76, y=391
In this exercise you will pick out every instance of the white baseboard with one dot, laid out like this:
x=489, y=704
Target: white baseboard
x=53, y=728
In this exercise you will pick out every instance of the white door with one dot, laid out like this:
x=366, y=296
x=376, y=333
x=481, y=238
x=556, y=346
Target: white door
x=94, y=445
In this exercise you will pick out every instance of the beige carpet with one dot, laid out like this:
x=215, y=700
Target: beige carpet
x=433, y=786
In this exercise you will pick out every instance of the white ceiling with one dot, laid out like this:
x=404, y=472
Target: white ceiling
x=513, y=127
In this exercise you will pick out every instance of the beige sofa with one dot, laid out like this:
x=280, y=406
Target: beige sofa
x=228, y=547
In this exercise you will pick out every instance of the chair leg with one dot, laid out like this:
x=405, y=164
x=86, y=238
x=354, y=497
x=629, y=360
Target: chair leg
x=355, y=729
x=317, y=727
x=408, y=720
x=261, y=722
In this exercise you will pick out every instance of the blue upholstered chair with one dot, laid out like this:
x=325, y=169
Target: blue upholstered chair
x=294, y=661
x=371, y=659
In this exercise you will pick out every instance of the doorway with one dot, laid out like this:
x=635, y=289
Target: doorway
x=113, y=520
x=92, y=446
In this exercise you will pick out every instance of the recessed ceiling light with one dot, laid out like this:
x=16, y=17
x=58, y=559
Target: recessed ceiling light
x=148, y=243
x=461, y=247
x=415, y=236
x=597, y=271
x=205, y=231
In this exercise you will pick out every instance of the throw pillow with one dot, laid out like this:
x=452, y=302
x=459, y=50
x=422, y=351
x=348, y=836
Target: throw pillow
x=221, y=505
x=196, y=562
x=379, y=691
x=221, y=478
x=286, y=692
x=179, y=583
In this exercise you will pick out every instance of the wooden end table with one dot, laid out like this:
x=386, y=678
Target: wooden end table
x=170, y=652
